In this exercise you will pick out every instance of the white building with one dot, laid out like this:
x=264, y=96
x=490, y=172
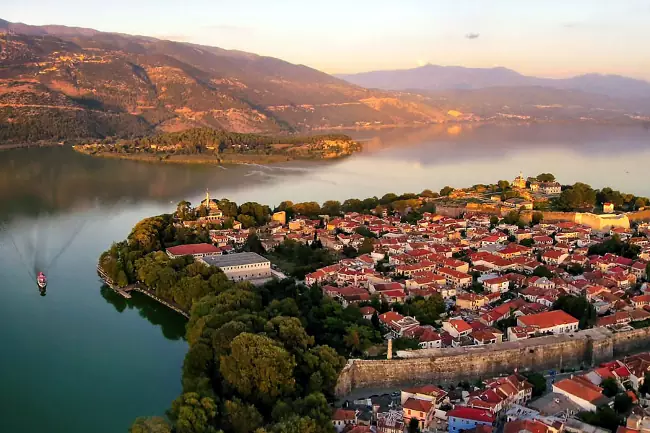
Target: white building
x=241, y=266
x=554, y=322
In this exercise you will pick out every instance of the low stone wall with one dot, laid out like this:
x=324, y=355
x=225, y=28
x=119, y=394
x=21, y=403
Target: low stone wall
x=642, y=215
x=589, y=347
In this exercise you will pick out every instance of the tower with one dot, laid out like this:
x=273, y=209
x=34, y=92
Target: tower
x=389, y=352
x=207, y=198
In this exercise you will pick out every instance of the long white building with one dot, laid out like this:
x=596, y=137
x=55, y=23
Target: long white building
x=241, y=266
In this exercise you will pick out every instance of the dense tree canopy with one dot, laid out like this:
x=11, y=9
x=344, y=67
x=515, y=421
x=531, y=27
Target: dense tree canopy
x=578, y=307
x=614, y=245
x=580, y=196
x=254, y=364
x=545, y=177
x=153, y=424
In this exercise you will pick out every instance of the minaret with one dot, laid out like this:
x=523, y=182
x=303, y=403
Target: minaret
x=389, y=352
x=207, y=199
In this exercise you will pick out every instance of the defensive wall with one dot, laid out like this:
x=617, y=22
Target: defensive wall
x=440, y=366
x=600, y=222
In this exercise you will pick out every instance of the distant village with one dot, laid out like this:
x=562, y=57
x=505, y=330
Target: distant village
x=499, y=281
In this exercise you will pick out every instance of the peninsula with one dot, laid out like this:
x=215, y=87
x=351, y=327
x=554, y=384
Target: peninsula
x=278, y=298
x=212, y=146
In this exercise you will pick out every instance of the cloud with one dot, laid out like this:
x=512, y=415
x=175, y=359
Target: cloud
x=571, y=25
x=472, y=35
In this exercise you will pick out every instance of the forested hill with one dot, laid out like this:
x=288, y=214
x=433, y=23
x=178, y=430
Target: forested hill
x=204, y=145
x=59, y=82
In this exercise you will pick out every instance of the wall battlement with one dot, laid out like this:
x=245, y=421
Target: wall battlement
x=586, y=348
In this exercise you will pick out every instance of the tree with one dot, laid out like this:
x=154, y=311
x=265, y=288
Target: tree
x=258, y=368
x=428, y=311
x=545, y=177
x=578, y=307
x=446, y=191
x=575, y=269
x=608, y=195
x=310, y=209
x=192, y=413
x=388, y=198
x=242, y=417
x=527, y=242
x=332, y=208
x=494, y=220
x=297, y=424
x=647, y=271
x=183, y=210
x=153, y=424
x=428, y=194
x=358, y=339
x=542, y=271
x=367, y=246
x=604, y=417
x=370, y=203
x=253, y=244
x=246, y=221
x=538, y=381
x=352, y=205
x=414, y=425
x=503, y=185
x=512, y=217
x=622, y=403
x=614, y=245
x=537, y=218
x=610, y=387
x=580, y=196
x=640, y=202
x=364, y=231
x=376, y=324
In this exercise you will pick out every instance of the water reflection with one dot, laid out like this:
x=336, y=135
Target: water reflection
x=172, y=324
x=34, y=181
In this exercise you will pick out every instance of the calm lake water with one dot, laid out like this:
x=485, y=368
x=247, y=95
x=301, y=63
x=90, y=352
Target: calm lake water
x=82, y=359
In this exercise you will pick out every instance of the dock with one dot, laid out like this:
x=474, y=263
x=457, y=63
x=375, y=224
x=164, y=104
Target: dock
x=126, y=292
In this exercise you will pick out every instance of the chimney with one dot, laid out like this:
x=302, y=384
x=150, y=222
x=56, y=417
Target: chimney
x=389, y=353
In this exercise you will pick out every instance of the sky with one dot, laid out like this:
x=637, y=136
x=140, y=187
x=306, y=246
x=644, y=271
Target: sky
x=551, y=38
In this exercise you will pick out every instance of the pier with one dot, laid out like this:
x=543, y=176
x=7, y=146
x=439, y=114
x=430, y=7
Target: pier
x=126, y=292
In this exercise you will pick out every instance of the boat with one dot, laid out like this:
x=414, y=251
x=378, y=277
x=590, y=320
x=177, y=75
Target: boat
x=41, y=280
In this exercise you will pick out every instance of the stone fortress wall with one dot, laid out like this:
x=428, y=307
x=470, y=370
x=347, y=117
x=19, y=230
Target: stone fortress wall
x=583, y=348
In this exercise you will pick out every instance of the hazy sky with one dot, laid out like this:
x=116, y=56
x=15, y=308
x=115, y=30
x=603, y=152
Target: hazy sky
x=543, y=37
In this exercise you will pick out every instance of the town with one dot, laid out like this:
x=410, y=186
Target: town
x=497, y=271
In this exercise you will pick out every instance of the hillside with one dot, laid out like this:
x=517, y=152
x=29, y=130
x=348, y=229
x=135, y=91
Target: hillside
x=435, y=77
x=61, y=82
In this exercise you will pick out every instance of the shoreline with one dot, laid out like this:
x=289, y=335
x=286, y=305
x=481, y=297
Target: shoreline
x=267, y=159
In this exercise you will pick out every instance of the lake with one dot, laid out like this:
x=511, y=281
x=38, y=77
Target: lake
x=82, y=359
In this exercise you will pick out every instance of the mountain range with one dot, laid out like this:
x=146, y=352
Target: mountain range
x=65, y=82
x=442, y=78
x=59, y=83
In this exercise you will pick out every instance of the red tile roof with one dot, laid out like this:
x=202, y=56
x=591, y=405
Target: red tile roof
x=548, y=319
x=418, y=405
x=188, y=250
x=471, y=413
x=460, y=325
x=390, y=316
x=343, y=415
x=581, y=388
